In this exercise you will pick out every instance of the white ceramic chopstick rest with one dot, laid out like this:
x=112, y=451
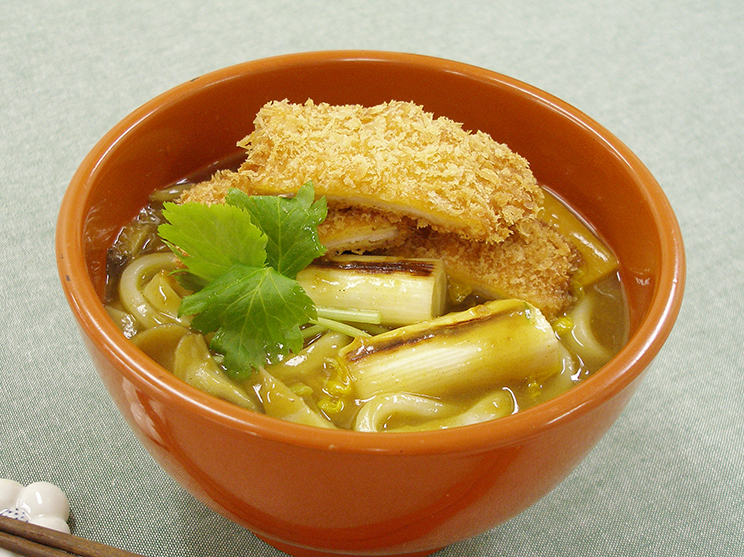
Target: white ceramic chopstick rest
x=39, y=503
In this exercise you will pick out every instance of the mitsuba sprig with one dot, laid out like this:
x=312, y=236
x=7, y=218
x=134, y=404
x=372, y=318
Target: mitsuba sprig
x=241, y=260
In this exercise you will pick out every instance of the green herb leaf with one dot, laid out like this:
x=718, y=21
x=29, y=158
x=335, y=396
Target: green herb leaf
x=241, y=259
x=290, y=225
x=209, y=239
x=256, y=313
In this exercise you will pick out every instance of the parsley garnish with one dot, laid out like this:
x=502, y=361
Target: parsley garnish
x=241, y=258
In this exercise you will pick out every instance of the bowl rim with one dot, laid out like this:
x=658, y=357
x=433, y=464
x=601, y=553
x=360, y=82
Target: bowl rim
x=145, y=374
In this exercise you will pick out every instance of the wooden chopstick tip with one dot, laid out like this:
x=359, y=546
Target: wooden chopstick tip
x=31, y=540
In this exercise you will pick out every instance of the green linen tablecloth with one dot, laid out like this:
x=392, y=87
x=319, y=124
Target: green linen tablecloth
x=667, y=77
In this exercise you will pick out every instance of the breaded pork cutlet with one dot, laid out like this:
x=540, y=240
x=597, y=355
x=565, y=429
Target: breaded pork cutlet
x=359, y=230
x=536, y=267
x=345, y=229
x=393, y=157
x=213, y=190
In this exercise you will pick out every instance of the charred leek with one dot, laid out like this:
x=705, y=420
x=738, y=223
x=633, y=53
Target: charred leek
x=598, y=261
x=279, y=401
x=483, y=347
x=403, y=291
x=194, y=365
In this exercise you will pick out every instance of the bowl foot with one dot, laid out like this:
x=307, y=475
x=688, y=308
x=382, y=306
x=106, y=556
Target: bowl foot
x=295, y=551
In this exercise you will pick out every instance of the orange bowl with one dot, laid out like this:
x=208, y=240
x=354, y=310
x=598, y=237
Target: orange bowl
x=313, y=491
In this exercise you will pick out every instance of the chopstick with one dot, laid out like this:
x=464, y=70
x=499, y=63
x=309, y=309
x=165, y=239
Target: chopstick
x=30, y=540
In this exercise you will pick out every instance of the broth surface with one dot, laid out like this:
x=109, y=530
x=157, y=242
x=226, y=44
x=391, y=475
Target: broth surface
x=329, y=391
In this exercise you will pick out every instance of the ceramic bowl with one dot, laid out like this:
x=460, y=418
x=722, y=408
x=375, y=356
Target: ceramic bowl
x=313, y=491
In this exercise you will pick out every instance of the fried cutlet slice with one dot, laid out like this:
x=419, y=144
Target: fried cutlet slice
x=535, y=266
x=213, y=190
x=395, y=158
x=347, y=229
x=360, y=230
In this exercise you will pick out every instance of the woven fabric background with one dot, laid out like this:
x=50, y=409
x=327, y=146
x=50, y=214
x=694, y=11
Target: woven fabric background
x=666, y=76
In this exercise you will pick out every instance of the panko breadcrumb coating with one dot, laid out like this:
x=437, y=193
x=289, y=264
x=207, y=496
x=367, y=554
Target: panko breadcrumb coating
x=213, y=190
x=392, y=157
x=536, y=267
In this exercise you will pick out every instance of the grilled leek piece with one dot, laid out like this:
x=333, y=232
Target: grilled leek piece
x=279, y=401
x=160, y=342
x=484, y=347
x=309, y=362
x=193, y=364
x=598, y=261
x=403, y=291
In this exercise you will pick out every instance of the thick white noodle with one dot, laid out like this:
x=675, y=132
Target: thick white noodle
x=429, y=413
x=377, y=411
x=582, y=339
x=133, y=282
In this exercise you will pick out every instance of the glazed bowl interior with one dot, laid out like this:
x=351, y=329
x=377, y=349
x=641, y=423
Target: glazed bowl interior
x=196, y=125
